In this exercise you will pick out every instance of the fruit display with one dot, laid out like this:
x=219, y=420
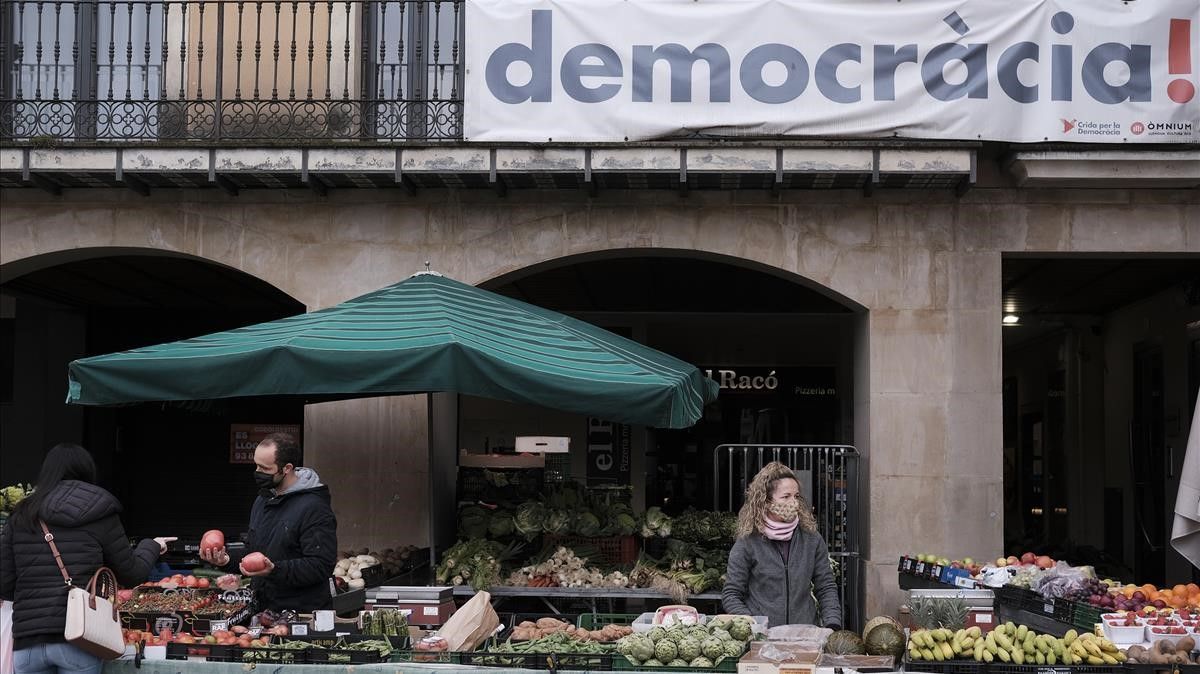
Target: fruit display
x=695, y=646
x=1164, y=652
x=181, y=581
x=163, y=602
x=884, y=636
x=1009, y=643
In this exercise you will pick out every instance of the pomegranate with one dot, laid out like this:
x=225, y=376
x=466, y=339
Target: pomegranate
x=254, y=562
x=213, y=541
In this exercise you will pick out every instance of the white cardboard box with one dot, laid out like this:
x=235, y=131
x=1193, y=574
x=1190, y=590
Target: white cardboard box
x=543, y=444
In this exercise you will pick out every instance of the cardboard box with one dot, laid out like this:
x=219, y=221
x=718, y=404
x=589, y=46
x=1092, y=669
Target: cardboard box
x=798, y=661
x=544, y=444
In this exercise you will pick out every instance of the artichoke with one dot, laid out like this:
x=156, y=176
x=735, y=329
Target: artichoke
x=656, y=633
x=689, y=648
x=741, y=630
x=665, y=650
x=722, y=634
x=718, y=624
x=712, y=648
x=642, y=649
x=701, y=662
x=734, y=649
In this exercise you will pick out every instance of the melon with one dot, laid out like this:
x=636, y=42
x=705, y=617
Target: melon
x=845, y=642
x=885, y=639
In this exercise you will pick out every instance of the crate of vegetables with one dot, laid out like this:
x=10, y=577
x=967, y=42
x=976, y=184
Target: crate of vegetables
x=550, y=643
x=353, y=649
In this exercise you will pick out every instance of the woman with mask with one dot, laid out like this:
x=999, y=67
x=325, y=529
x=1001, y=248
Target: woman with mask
x=83, y=518
x=779, y=566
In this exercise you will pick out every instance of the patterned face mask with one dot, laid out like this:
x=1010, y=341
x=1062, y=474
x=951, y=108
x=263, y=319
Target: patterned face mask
x=785, y=511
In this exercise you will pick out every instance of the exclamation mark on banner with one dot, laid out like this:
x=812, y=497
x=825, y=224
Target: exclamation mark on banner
x=1179, y=60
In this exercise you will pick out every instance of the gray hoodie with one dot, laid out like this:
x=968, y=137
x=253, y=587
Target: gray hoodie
x=758, y=582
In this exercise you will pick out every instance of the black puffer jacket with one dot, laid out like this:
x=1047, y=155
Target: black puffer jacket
x=88, y=532
x=297, y=531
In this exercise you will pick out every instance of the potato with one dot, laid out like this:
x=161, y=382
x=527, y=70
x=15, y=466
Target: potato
x=1186, y=644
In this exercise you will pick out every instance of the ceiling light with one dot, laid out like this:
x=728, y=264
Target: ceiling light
x=1011, y=319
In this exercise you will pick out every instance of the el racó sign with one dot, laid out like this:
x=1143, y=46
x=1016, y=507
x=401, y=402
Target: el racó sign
x=1030, y=71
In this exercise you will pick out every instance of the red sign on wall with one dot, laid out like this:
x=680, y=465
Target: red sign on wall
x=243, y=438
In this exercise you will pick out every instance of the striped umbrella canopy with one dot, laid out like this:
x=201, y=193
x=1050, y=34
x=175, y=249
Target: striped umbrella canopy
x=425, y=334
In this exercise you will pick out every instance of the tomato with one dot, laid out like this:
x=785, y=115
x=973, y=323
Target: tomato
x=191, y=581
x=244, y=641
x=222, y=634
x=213, y=540
x=203, y=583
x=254, y=562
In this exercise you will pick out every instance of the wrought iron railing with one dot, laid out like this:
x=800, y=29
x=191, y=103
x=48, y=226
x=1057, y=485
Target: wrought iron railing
x=303, y=71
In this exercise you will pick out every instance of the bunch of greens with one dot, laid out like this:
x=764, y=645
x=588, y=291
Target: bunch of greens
x=475, y=562
x=11, y=495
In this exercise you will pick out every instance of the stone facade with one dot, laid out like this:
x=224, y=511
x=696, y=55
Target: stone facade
x=923, y=268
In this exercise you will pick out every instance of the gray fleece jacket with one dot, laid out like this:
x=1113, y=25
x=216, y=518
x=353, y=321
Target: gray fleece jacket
x=758, y=582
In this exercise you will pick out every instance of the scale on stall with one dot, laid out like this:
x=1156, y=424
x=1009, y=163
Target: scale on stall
x=425, y=606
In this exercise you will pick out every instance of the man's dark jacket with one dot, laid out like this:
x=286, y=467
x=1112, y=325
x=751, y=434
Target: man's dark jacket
x=297, y=531
x=87, y=530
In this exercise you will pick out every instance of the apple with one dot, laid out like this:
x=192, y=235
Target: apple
x=1044, y=562
x=1028, y=558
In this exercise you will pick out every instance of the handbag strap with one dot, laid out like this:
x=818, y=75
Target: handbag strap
x=54, y=548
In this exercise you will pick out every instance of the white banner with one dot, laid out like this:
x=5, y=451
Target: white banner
x=1089, y=71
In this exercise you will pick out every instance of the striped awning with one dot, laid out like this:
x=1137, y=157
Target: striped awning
x=425, y=334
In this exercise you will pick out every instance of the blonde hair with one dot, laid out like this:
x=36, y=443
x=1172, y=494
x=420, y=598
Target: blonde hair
x=758, y=497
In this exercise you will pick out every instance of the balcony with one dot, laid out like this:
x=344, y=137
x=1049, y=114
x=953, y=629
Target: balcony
x=231, y=71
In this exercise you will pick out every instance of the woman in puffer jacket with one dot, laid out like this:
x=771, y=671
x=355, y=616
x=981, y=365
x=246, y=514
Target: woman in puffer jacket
x=84, y=520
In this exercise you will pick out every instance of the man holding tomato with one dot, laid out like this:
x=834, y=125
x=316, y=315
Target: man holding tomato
x=291, y=547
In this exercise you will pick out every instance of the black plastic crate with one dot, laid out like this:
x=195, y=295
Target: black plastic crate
x=334, y=641
x=947, y=666
x=1010, y=596
x=1010, y=668
x=550, y=661
x=428, y=657
x=278, y=656
x=342, y=656
x=1147, y=668
x=489, y=484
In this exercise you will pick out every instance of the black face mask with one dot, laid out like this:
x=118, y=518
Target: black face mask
x=264, y=481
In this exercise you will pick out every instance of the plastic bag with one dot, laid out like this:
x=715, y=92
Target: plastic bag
x=799, y=637
x=6, y=638
x=790, y=651
x=1061, y=580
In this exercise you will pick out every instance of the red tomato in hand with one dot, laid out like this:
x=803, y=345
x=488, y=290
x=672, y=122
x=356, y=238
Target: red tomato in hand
x=254, y=562
x=214, y=539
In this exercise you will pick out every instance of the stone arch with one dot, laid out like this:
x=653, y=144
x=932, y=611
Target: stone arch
x=731, y=260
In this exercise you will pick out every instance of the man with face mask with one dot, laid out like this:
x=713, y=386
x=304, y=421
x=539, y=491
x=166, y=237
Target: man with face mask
x=292, y=524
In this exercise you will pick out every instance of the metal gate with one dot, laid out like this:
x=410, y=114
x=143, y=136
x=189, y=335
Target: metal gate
x=828, y=477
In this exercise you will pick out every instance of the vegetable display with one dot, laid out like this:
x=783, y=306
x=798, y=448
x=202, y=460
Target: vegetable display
x=544, y=627
x=695, y=646
x=351, y=569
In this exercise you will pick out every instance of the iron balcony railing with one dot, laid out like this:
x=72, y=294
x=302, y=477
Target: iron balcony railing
x=303, y=71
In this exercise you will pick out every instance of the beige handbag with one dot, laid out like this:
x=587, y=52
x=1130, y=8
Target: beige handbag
x=92, y=622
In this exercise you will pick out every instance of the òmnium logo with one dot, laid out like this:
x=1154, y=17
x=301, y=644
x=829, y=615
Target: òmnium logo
x=1068, y=124
x=1184, y=129
x=1137, y=128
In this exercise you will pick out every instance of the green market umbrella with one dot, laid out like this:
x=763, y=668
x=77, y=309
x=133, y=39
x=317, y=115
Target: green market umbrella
x=425, y=334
